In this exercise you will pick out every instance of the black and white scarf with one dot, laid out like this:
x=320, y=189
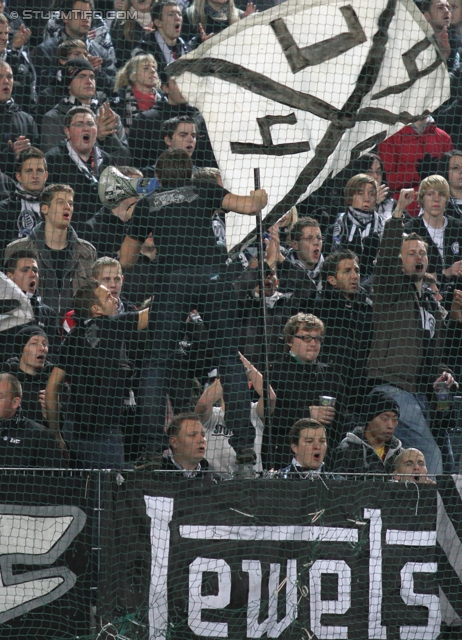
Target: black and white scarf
x=363, y=222
x=30, y=215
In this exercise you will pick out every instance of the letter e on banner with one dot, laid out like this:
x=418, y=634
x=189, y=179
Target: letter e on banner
x=318, y=607
x=197, y=601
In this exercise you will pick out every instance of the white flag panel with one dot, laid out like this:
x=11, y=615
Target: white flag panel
x=259, y=69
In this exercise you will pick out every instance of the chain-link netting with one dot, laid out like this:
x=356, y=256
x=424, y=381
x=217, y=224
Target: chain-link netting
x=230, y=319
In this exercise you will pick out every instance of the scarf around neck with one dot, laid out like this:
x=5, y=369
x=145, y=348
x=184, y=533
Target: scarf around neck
x=221, y=14
x=363, y=221
x=97, y=160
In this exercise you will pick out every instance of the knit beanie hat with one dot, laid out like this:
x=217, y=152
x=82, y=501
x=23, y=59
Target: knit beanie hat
x=378, y=402
x=24, y=335
x=72, y=68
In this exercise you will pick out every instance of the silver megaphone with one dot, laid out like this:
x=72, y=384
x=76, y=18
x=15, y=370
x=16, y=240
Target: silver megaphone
x=114, y=187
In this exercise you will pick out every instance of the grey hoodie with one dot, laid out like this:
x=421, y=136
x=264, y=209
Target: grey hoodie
x=355, y=455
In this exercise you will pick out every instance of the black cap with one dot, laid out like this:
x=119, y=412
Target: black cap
x=24, y=335
x=378, y=402
x=72, y=68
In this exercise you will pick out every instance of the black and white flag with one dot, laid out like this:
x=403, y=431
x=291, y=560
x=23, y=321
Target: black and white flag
x=450, y=542
x=303, y=88
x=275, y=559
x=45, y=546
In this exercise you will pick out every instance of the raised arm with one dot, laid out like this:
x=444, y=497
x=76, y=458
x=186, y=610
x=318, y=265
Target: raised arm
x=247, y=205
x=143, y=319
x=256, y=378
x=208, y=400
x=54, y=386
x=389, y=266
x=129, y=252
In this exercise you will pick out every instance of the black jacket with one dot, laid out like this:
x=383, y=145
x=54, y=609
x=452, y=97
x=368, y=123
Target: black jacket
x=46, y=63
x=31, y=387
x=62, y=168
x=7, y=186
x=106, y=232
x=297, y=387
x=146, y=141
x=123, y=47
x=452, y=241
x=15, y=223
x=169, y=465
x=363, y=240
x=140, y=281
x=47, y=318
x=347, y=338
x=14, y=123
x=25, y=443
x=149, y=44
x=125, y=105
x=115, y=145
x=25, y=78
x=279, y=308
x=355, y=455
x=453, y=209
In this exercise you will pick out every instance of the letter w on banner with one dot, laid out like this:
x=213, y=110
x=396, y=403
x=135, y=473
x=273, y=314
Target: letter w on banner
x=303, y=88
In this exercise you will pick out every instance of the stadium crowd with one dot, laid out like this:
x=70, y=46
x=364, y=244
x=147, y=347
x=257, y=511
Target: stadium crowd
x=138, y=342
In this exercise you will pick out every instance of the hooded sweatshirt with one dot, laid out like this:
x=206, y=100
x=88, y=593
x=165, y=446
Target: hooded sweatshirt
x=355, y=455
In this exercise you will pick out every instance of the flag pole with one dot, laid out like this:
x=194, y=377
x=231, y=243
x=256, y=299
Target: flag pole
x=264, y=346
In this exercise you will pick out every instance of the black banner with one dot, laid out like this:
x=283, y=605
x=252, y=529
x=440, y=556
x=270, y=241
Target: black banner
x=45, y=553
x=276, y=559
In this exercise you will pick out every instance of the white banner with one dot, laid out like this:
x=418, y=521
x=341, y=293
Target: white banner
x=301, y=89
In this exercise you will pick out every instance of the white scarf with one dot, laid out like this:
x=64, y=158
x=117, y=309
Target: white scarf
x=82, y=165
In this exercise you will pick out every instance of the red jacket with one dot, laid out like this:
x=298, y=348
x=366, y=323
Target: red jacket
x=402, y=151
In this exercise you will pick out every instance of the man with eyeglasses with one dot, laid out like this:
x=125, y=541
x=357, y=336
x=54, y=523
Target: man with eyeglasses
x=79, y=161
x=299, y=381
x=79, y=85
x=302, y=264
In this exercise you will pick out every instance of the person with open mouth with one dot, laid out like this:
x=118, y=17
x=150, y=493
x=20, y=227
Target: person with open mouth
x=30, y=365
x=79, y=161
x=308, y=443
x=410, y=466
x=406, y=358
x=164, y=41
x=64, y=260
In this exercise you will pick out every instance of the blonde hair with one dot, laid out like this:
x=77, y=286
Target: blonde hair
x=433, y=182
x=196, y=12
x=123, y=75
